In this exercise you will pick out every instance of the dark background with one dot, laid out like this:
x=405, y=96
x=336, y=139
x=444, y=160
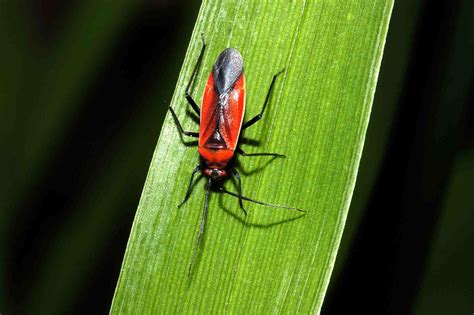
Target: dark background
x=83, y=92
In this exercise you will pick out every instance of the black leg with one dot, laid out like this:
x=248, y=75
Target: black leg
x=222, y=189
x=181, y=130
x=189, y=98
x=241, y=152
x=190, y=186
x=201, y=227
x=259, y=116
x=239, y=188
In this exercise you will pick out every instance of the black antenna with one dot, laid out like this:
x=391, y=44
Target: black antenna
x=201, y=227
x=222, y=189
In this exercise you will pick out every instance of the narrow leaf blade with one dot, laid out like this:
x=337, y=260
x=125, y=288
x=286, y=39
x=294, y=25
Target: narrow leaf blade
x=273, y=259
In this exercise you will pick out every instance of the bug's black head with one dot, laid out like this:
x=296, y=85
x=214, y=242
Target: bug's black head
x=215, y=174
x=227, y=69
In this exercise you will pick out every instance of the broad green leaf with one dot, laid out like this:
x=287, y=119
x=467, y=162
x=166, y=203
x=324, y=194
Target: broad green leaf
x=273, y=259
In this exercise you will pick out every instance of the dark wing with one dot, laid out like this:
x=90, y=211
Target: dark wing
x=223, y=103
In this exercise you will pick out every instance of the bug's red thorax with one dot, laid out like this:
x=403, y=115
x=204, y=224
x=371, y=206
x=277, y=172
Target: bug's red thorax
x=221, y=121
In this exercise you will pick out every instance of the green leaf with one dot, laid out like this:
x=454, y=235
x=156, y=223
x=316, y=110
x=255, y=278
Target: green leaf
x=54, y=86
x=40, y=93
x=273, y=259
x=447, y=286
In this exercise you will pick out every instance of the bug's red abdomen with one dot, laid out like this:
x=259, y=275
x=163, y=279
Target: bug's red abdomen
x=222, y=112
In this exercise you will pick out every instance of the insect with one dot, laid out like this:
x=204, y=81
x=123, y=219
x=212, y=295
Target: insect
x=221, y=122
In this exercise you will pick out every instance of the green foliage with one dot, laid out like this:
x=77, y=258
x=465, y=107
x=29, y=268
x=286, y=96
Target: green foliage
x=447, y=285
x=41, y=88
x=273, y=259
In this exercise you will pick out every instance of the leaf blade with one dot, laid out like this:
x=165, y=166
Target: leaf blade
x=312, y=118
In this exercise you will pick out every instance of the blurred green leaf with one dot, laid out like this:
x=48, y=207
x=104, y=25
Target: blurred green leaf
x=448, y=286
x=51, y=83
x=448, y=280
x=41, y=86
x=318, y=116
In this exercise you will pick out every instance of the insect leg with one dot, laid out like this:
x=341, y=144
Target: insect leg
x=241, y=152
x=239, y=188
x=222, y=189
x=190, y=186
x=201, y=227
x=259, y=116
x=189, y=98
x=181, y=130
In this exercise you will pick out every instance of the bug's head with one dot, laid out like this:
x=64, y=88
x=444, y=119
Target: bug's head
x=215, y=173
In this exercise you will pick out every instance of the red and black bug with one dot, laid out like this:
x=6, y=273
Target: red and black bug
x=221, y=121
